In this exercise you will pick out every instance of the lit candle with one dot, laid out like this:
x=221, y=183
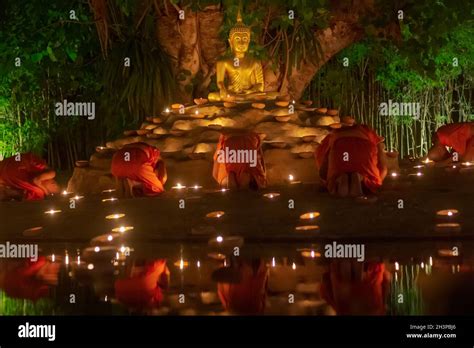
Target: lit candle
x=90, y=266
x=223, y=189
x=219, y=239
x=466, y=164
x=115, y=216
x=53, y=258
x=197, y=112
x=310, y=215
x=198, y=264
x=66, y=260
x=78, y=260
x=179, y=186
x=307, y=228
x=290, y=177
x=447, y=213
x=394, y=174
x=397, y=266
x=110, y=238
x=52, y=211
x=422, y=265
x=215, y=214
x=271, y=195
x=108, y=191
x=97, y=249
x=111, y=199
x=65, y=193
x=76, y=197
x=273, y=262
x=293, y=266
x=167, y=110
x=197, y=187
x=122, y=229
x=431, y=261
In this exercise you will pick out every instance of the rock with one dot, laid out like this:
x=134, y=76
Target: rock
x=204, y=148
x=280, y=163
x=173, y=144
x=90, y=181
x=160, y=131
x=119, y=143
x=325, y=121
x=102, y=160
x=209, y=136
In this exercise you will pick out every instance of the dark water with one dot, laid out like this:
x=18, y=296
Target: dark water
x=230, y=277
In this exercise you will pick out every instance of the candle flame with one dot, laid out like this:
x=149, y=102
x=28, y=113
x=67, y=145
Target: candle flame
x=219, y=239
x=53, y=257
x=273, y=262
x=293, y=266
x=397, y=266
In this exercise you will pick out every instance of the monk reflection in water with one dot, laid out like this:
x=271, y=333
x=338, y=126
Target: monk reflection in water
x=459, y=137
x=352, y=161
x=238, y=161
x=139, y=170
x=143, y=287
x=28, y=279
x=26, y=177
x=242, y=288
x=356, y=288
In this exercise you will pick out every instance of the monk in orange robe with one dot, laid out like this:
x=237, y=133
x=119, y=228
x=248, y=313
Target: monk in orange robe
x=26, y=176
x=351, y=161
x=139, y=170
x=355, y=288
x=238, y=161
x=247, y=294
x=457, y=136
x=31, y=280
x=144, y=287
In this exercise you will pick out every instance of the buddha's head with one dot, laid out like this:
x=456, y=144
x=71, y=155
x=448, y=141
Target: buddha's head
x=239, y=37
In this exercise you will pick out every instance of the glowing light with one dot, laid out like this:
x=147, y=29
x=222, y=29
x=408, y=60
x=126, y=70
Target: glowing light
x=111, y=199
x=66, y=261
x=90, y=266
x=312, y=253
x=427, y=160
x=198, y=264
x=53, y=258
x=307, y=228
x=167, y=110
x=215, y=214
x=76, y=197
x=181, y=264
x=397, y=266
x=291, y=177
x=52, y=211
x=273, y=262
x=114, y=216
x=394, y=174
x=431, y=261
x=108, y=191
x=219, y=239
x=293, y=266
x=65, y=193
x=223, y=189
x=271, y=195
x=309, y=216
x=419, y=174
x=422, y=265
x=122, y=229
x=197, y=112
x=447, y=213
x=179, y=186
x=197, y=187
x=97, y=249
x=110, y=237
x=78, y=260
x=467, y=164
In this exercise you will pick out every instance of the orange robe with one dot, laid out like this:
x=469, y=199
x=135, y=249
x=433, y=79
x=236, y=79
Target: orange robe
x=359, y=145
x=145, y=288
x=143, y=159
x=456, y=136
x=19, y=175
x=360, y=297
x=249, y=142
x=249, y=295
x=21, y=282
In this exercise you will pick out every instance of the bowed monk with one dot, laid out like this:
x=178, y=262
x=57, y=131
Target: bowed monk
x=459, y=137
x=139, y=170
x=26, y=176
x=351, y=161
x=238, y=161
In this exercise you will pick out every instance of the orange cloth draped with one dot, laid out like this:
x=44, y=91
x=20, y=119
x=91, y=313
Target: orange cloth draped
x=21, y=282
x=143, y=159
x=145, y=288
x=359, y=143
x=20, y=174
x=249, y=142
x=356, y=297
x=456, y=135
x=249, y=295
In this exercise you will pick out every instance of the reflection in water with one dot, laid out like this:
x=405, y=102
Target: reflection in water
x=113, y=278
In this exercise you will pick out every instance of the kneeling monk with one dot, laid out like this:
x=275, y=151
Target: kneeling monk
x=238, y=161
x=139, y=170
x=352, y=160
x=457, y=136
x=26, y=176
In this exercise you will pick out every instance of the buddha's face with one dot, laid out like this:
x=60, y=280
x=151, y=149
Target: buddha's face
x=239, y=43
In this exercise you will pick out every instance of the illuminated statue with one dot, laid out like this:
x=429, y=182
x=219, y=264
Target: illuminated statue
x=244, y=74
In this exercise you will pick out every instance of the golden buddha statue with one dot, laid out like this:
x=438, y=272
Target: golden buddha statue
x=244, y=74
